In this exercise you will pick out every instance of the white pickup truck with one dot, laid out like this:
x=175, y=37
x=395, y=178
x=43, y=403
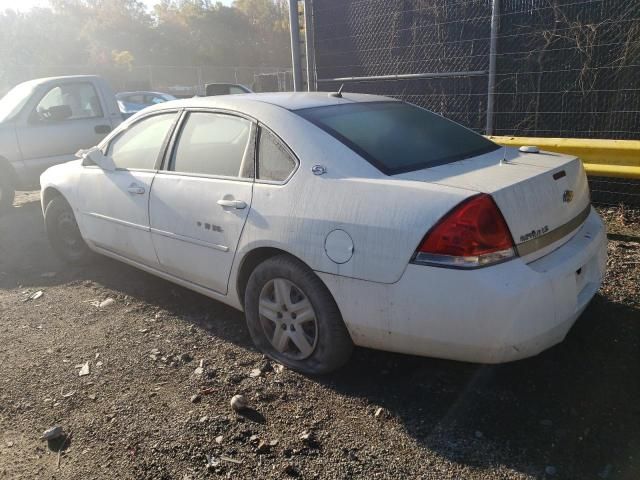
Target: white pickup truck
x=46, y=121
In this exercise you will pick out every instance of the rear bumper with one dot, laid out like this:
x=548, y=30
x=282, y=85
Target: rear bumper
x=497, y=314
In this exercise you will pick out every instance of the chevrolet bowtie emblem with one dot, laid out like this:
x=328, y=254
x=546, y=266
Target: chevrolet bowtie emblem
x=567, y=196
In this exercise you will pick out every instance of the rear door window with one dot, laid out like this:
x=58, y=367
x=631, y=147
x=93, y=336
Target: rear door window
x=214, y=144
x=398, y=137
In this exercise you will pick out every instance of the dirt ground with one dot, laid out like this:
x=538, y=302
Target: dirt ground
x=572, y=412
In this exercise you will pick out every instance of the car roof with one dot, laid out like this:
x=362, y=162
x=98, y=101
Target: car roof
x=288, y=100
x=70, y=78
x=139, y=92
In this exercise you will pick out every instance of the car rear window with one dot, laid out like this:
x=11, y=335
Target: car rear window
x=398, y=137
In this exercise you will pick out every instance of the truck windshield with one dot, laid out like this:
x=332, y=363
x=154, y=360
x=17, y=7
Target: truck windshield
x=397, y=137
x=14, y=100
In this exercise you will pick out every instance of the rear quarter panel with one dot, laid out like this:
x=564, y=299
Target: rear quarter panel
x=386, y=218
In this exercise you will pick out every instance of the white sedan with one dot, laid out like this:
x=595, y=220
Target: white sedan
x=338, y=220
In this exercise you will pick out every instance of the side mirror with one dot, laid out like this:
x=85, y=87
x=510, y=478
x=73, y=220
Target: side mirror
x=94, y=156
x=59, y=113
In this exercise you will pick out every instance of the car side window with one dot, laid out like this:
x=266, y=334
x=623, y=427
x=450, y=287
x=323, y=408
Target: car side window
x=214, y=144
x=233, y=90
x=139, y=146
x=275, y=163
x=75, y=100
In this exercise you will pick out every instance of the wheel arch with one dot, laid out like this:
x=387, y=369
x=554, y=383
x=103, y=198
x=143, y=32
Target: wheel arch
x=251, y=260
x=48, y=194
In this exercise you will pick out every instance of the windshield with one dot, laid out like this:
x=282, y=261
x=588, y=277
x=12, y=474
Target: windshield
x=14, y=100
x=398, y=137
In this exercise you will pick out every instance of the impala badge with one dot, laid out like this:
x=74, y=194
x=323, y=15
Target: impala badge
x=567, y=196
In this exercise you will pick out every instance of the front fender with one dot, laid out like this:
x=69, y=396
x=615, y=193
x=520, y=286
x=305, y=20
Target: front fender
x=62, y=179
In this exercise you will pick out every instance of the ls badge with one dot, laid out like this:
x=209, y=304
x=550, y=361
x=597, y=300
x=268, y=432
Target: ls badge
x=567, y=196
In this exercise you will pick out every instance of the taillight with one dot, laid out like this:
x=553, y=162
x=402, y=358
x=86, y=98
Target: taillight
x=473, y=234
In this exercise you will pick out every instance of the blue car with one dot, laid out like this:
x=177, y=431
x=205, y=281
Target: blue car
x=132, y=102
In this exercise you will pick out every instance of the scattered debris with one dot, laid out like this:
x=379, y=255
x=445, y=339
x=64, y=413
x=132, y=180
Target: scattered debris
x=379, y=412
x=309, y=439
x=207, y=391
x=256, y=372
x=278, y=368
x=239, y=403
x=200, y=369
x=184, y=357
x=68, y=394
x=52, y=433
x=34, y=296
x=231, y=460
x=265, y=447
x=84, y=370
x=212, y=461
x=104, y=303
x=195, y=398
x=219, y=439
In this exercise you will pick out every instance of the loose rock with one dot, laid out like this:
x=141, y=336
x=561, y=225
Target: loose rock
x=239, y=403
x=106, y=303
x=84, y=370
x=195, y=398
x=52, y=433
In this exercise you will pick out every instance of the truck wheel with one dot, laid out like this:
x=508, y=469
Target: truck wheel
x=293, y=318
x=64, y=235
x=7, y=192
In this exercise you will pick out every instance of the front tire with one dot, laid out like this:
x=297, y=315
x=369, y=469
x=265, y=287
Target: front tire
x=293, y=318
x=7, y=192
x=64, y=234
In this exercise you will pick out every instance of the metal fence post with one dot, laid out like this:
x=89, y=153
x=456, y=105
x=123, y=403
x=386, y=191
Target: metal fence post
x=309, y=44
x=493, y=46
x=294, y=28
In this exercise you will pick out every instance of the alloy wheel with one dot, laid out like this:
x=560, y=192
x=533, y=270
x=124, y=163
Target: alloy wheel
x=288, y=319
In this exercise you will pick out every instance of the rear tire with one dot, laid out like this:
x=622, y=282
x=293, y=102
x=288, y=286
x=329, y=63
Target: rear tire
x=7, y=191
x=64, y=234
x=293, y=318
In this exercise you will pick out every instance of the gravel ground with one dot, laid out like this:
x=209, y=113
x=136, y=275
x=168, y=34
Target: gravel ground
x=571, y=412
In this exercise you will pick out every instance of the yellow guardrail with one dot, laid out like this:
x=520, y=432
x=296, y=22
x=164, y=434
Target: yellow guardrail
x=603, y=158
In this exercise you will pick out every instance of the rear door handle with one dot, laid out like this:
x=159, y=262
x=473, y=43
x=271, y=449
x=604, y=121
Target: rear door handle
x=136, y=189
x=102, y=129
x=239, y=204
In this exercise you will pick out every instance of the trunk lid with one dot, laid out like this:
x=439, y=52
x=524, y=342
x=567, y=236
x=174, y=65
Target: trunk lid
x=539, y=194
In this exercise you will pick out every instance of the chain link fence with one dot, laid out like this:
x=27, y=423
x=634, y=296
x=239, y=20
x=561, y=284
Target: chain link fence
x=564, y=68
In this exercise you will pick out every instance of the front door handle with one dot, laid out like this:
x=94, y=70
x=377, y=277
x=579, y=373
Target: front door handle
x=102, y=129
x=239, y=204
x=136, y=189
